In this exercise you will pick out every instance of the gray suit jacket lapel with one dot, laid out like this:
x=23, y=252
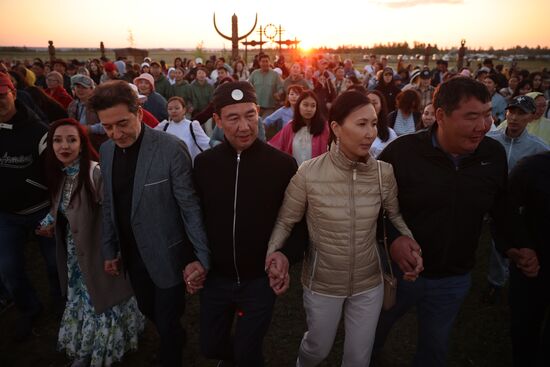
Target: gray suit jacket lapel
x=107, y=163
x=145, y=158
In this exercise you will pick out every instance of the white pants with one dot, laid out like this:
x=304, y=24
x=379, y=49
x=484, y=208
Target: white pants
x=323, y=315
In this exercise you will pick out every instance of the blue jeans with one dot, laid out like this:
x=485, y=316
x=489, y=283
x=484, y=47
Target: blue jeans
x=437, y=303
x=14, y=232
x=252, y=302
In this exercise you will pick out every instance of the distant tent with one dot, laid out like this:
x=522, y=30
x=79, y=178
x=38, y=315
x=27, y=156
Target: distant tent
x=131, y=54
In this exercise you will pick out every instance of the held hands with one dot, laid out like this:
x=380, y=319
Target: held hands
x=408, y=256
x=276, y=267
x=194, y=276
x=526, y=260
x=111, y=267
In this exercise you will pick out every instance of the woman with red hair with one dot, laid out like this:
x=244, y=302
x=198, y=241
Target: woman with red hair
x=101, y=320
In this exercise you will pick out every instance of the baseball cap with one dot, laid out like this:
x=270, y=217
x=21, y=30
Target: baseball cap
x=525, y=103
x=5, y=83
x=83, y=80
x=141, y=98
x=109, y=66
x=425, y=74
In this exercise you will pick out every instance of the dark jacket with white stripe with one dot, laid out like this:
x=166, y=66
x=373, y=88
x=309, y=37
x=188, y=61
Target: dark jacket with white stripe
x=241, y=195
x=22, y=182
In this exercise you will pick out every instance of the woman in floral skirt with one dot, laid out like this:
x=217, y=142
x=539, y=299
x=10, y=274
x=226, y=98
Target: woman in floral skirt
x=101, y=321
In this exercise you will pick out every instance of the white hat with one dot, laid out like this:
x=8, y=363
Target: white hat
x=141, y=97
x=198, y=60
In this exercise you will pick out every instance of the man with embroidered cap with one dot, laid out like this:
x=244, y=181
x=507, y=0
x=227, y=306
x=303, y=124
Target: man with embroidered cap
x=241, y=184
x=24, y=201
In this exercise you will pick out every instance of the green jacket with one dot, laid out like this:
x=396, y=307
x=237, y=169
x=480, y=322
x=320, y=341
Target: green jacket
x=163, y=87
x=200, y=95
x=182, y=90
x=266, y=85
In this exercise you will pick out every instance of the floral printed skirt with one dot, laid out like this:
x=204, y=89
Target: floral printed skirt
x=103, y=338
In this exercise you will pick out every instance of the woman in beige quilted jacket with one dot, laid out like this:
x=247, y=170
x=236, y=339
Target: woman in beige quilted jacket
x=339, y=192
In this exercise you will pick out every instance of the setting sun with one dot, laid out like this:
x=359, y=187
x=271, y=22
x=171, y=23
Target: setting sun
x=179, y=24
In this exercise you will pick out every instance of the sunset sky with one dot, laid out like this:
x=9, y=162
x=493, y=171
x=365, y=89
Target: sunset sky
x=183, y=24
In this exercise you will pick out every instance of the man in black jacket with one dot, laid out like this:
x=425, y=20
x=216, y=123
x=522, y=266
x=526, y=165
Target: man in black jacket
x=448, y=177
x=241, y=184
x=530, y=268
x=24, y=202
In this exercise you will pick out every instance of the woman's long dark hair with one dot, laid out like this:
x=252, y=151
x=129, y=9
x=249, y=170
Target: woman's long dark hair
x=408, y=101
x=383, y=130
x=54, y=167
x=317, y=123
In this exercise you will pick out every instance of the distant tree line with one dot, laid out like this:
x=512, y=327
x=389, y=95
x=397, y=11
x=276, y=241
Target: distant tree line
x=395, y=48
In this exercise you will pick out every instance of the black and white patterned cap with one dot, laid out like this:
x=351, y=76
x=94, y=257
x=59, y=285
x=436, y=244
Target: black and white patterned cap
x=233, y=93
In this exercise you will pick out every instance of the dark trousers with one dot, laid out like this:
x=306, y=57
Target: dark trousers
x=164, y=307
x=530, y=327
x=14, y=232
x=251, y=303
x=437, y=303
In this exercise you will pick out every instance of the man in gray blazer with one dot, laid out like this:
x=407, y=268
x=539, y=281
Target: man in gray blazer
x=152, y=220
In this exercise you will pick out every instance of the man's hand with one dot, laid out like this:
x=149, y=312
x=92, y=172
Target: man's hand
x=413, y=275
x=526, y=260
x=406, y=253
x=194, y=276
x=111, y=267
x=276, y=267
x=279, y=285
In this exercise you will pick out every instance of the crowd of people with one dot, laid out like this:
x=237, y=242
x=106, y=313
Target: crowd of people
x=144, y=181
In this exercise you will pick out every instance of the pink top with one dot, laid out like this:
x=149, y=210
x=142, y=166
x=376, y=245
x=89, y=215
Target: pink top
x=283, y=140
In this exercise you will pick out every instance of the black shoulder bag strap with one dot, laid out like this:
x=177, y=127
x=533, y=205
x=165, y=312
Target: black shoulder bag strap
x=194, y=137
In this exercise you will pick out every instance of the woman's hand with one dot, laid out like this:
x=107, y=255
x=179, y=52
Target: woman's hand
x=407, y=254
x=276, y=267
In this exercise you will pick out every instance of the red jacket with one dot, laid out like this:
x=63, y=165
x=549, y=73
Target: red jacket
x=60, y=95
x=148, y=119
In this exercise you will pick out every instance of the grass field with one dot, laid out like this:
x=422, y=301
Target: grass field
x=170, y=55
x=480, y=337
